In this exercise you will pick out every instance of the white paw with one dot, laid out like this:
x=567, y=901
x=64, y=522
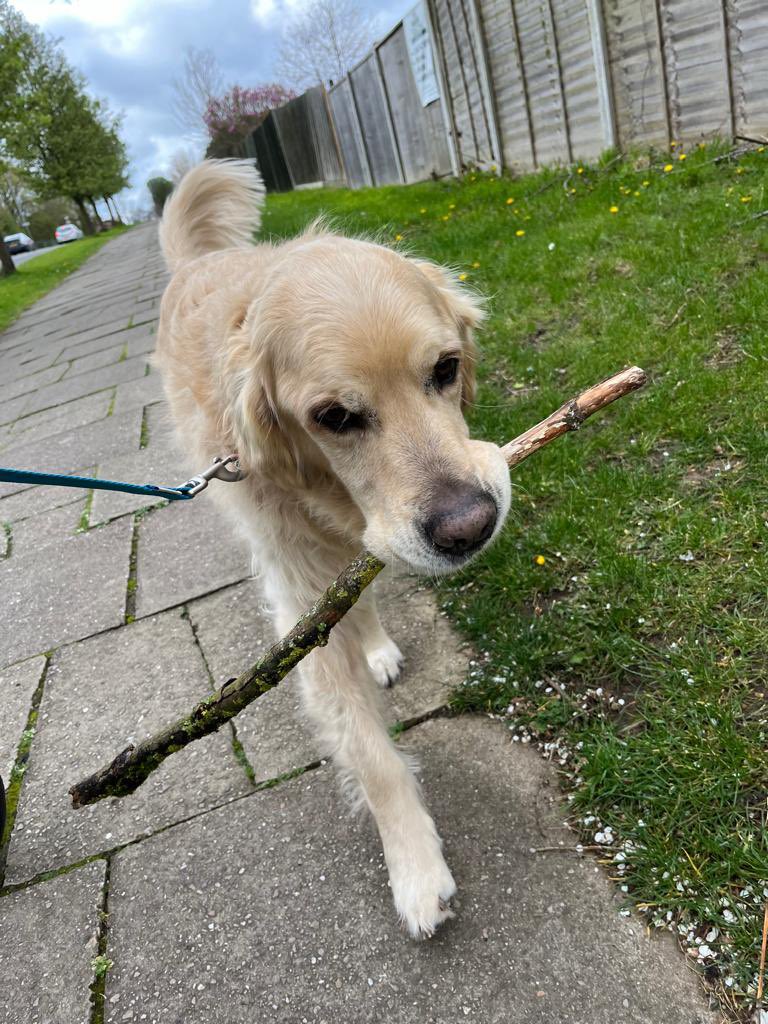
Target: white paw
x=386, y=663
x=423, y=890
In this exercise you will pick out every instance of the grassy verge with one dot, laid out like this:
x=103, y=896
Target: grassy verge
x=621, y=617
x=38, y=276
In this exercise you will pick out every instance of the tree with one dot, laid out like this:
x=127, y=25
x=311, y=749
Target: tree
x=229, y=118
x=322, y=42
x=159, y=189
x=64, y=142
x=47, y=215
x=183, y=160
x=200, y=81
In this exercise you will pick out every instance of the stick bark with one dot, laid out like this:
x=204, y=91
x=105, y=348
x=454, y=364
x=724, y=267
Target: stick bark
x=134, y=764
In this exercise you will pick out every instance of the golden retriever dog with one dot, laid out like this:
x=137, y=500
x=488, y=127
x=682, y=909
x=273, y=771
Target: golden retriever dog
x=338, y=370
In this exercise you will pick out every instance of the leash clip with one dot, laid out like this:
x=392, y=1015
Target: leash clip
x=218, y=470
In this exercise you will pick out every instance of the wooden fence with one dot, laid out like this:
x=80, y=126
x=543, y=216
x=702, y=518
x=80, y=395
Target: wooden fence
x=518, y=84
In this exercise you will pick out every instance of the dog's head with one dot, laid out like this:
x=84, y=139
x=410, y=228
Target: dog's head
x=359, y=363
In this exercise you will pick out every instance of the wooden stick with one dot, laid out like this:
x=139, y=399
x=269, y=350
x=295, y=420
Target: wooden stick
x=761, y=972
x=134, y=764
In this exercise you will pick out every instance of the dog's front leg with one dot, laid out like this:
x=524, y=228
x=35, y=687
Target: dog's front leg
x=340, y=696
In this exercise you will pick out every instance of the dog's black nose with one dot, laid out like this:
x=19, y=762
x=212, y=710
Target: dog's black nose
x=461, y=519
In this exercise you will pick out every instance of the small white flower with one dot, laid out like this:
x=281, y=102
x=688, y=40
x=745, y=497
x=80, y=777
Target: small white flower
x=687, y=557
x=551, y=246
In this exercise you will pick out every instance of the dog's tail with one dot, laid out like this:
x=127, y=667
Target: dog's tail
x=217, y=205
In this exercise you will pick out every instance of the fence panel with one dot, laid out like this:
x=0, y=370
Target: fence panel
x=538, y=49
x=323, y=137
x=508, y=83
x=695, y=57
x=637, y=71
x=353, y=153
x=576, y=51
x=264, y=146
x=463, y=64
x=375, y=123
x=420, y=130
x=747, y=22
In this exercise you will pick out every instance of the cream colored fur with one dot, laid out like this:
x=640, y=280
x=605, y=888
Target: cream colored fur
x=254, y=339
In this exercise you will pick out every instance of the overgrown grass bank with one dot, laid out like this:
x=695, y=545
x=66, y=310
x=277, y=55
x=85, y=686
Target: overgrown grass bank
x=621, y=619
x=36, y=277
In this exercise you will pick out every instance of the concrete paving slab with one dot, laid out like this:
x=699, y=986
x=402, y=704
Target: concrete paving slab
x=75, y=414
x=234, y=631
x=17, y=685
x=138, y=393
x=70, y=388
x=48, y=938
x=69, y=590
x=186, y=550
x=34, y=382
x=99, y=696
x=146, y=466
x=11, y=409
x=29, y=501
x=31, y=535
x=96, y=360
x=279, y=910
x=71, y=449
x=80, y=345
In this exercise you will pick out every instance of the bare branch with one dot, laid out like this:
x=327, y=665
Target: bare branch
x=201, y=79
x=322, y=42
x=131, y=767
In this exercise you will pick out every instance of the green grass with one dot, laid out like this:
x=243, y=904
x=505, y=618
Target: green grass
x=635, y=655
x=38, y=276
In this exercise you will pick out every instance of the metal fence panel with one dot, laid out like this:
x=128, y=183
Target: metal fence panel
x=420, y=130
x=375, y=123
x=349, y=135
x=698, y=86
x=748, y=36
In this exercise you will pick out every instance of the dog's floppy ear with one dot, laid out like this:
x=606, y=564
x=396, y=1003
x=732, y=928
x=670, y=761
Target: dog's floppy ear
x=251, y=418
x=467, y=310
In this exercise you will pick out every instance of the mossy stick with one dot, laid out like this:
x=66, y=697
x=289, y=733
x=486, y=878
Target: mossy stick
x=134, y=764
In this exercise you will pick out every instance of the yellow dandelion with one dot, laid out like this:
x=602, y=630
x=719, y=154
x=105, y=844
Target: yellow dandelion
x=540, y=559
x=668, y=168
x=673, y=144
x=476, y=264
x=579, y=170
x=398, y=238
x=423, y=209
x=445, y=217
x=493, y=167
x=761, y=149
x=462, y=277
x=451, y=206
x=702, y=145
x=520, y=232
x=510, y=200
x=746, y=199
x=646, y=184
x=635, y=193
x=682, y=156
x=614, y=209
x=739, y=170
x=573, y=191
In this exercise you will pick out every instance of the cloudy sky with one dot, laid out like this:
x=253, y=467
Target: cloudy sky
x=130, y=51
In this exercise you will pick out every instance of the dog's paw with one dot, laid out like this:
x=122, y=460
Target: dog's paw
x=386, y=663
x=423, y=896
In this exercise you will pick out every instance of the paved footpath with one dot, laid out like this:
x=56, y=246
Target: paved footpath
x=212, y=898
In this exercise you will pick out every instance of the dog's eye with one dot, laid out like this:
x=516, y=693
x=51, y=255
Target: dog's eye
x=339, y=420
x=445, y=372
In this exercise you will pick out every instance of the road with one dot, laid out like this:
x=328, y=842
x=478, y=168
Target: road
x=22, y=257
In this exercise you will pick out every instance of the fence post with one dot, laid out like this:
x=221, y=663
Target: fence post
x=602, y=72
x=446, y=103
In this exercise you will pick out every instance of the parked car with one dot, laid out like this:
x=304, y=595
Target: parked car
x=19, y=242
x=67, y=233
